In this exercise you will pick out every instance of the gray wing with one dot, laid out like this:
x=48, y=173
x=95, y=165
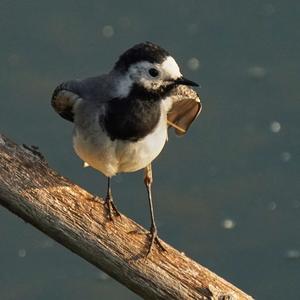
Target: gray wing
x=185, y=109
x=68, y=94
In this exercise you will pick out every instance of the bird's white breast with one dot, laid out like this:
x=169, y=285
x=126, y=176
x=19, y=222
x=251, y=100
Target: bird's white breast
x=94, y=147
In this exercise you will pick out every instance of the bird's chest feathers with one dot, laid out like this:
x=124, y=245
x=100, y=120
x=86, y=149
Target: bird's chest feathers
x=131, y=119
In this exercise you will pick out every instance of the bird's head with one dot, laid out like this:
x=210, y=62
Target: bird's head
x=148, y=68
x=146, y=71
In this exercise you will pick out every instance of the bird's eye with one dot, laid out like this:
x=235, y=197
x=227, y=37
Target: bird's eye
x=153, y=72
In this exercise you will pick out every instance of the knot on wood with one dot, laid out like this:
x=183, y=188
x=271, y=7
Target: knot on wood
x=35, y=151
x=2, y=142
x=217, y=294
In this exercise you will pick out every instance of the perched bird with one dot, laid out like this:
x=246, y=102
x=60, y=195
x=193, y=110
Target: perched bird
x=121, y=118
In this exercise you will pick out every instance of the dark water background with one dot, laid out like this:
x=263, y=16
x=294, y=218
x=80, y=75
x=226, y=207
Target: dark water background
x=227, y=194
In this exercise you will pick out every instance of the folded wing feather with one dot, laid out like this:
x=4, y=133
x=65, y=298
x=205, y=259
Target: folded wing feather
x=63, y=102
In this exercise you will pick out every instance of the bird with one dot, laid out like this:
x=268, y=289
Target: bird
x=121, y=118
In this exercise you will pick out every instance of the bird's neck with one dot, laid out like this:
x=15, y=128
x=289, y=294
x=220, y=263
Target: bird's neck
x=133, y=117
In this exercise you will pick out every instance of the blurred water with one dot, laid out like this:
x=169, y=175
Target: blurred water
x=227, y=194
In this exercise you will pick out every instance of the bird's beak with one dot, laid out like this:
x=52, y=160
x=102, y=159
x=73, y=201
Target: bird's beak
x=184, y=81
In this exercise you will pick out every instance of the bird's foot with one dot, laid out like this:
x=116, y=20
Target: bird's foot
x=154, y=240
x=111, y=208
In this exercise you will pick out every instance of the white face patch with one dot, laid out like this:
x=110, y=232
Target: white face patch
x=139, y=73
x=123, y=87
x=171, y=68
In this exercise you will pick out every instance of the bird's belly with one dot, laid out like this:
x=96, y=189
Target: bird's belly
x=112, y=157
x=97, y=150
x=133, y=156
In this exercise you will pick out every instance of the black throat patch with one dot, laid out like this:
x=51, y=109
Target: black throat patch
x=135, y=116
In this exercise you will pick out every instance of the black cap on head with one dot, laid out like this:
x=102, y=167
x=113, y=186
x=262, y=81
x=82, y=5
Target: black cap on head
x=141, y=52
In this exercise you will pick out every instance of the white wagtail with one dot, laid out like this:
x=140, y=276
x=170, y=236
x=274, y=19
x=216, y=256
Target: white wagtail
x=121, y=118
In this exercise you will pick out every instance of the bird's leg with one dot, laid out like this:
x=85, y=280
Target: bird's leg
x=109, y=204
x=148, y=179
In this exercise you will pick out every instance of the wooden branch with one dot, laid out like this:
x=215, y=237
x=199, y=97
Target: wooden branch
x=71, y=216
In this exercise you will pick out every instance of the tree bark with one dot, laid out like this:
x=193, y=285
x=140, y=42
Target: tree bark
x=74, y=218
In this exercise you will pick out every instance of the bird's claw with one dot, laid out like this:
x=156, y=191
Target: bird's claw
x=154, y=240
x=111, y=209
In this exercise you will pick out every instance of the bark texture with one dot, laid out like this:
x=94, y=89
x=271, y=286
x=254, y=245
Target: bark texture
x=71, y=216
